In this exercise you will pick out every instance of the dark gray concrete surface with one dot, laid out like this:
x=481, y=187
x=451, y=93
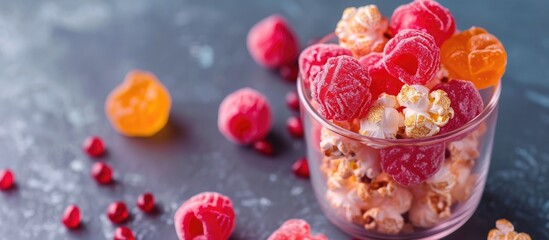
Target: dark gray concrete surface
x=60, y=59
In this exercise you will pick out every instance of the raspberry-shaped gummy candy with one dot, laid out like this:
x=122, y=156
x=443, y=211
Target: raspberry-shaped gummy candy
x=140, y=106
x=411, y=165
x=295, y=229
x=425, y=15
x=313, y=58
x=272, y=42
x=362, y=30
x=244, y=116
x=207, y=215
x=465, y=100
x=412, y=56
x=474, y=55
x=341, y=89
x=382, y=81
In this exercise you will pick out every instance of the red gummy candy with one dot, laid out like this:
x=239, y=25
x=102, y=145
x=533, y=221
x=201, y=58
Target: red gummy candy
x=102, y=173
x=289, y=72
x=295, y=127
x=465, y=100
x=123, y=233
x=412, y=56
x=382, y=81
x=301, y=168
x=412, y=165
x=341, y=89
x=207, y=215
x=264, y=147
x=244, y=116
x=118, y=212
x=272, y=43
x=145, y=202
x=292, y=100
x=314, y=57
x=295, y=229
x=71, y=217
x=93, y=146
x=7, y=179
x=425, y=15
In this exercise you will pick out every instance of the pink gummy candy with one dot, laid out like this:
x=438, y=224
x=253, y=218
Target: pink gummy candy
x=412, y=56
x=466, y=102
x=314, y=57
x=425, y=15
x=295, y=229
x=208, y=215
x=412, y=165
x=244, y=116
x=382, y=81
x=341, y=89
x=272, y=42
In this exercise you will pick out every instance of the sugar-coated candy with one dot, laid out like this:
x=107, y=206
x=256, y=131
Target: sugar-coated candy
x=295, y=229
x=411, y=165
x=425, y=15
x=362, y=30
x=341, y=89
x=383, y=220
x=244, y=116
x=314, y=57
x=272, y=42
x=207, y=215
x=412, y=56
x=474, y=55
x=289, y=71
x=140, y=106
x=466, y=103
x=383, y=120
x=382, y=81
x=506, y=231
x=430, y=209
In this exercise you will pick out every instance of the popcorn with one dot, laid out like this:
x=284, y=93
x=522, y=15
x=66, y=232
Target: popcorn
x=430, y=209
x=465, y=181
x=443, y=181
x=424, y=112
x=383, y=221
x=346, y=204
x=383, y=119
x=362, y=29
x=384, y=192
x=506, y=231
x=368, y=166
x=466, y=149
x=334, y=145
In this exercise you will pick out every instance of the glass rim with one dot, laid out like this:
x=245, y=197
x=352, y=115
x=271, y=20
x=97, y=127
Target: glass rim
x=441, y=138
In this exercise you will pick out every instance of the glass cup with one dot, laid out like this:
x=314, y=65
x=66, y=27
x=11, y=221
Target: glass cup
x=363, y=201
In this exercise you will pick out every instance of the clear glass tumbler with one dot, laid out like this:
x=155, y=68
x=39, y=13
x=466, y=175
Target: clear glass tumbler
x=367, y=203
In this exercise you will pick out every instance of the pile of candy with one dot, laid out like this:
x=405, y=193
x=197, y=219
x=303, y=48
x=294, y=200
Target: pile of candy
x=412, y=77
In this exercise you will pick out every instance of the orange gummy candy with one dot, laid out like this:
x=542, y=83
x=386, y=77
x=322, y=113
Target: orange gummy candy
x=474, y=55
x=140, y=106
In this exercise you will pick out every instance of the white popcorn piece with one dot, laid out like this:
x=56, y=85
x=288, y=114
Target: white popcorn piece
x=465, y=181
x=443, y=181
x=362, y=30
x=430, y=209
x=346, y=204
x=466, y=149
x=506, y=231
x=368, y=163
x=334, y=145
x=383, y=220
x=424, y=112
x=383, y=120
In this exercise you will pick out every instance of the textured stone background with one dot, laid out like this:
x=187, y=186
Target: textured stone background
x=59, y=60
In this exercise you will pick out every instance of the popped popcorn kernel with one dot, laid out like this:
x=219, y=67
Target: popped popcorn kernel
x=465, y=181
x=506, y=231
x=424, y=112
x=383, y=221
x=443, y=181
x=368, y=166
x=383, y=120
x=430, y=209
x=466, y=149
x=362, y=29
x=334, y=145
x=346, y=204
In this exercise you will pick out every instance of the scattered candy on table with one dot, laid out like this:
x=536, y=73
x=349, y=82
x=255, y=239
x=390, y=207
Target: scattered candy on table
x=295, y=229
x=71, y=217
x=118, y=212
x=94, y=146
x=145, y=202
x=207, y=215
x=102, y=173
x=123, y=233
x=7, y=179
x=140, y=106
